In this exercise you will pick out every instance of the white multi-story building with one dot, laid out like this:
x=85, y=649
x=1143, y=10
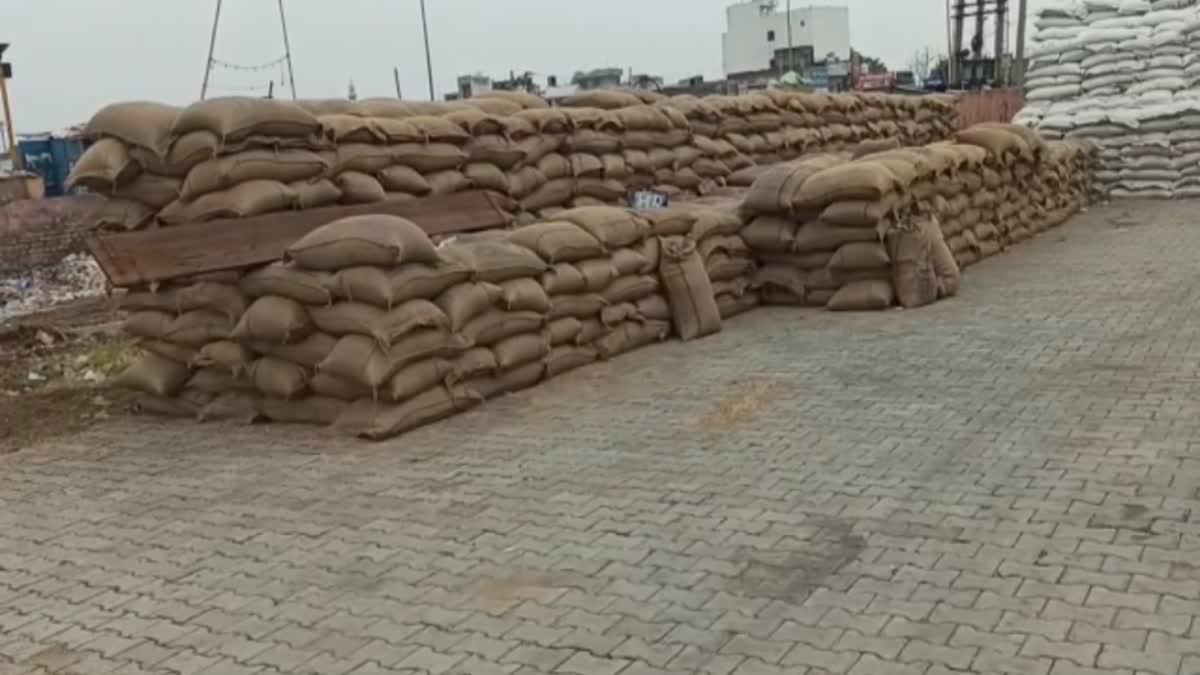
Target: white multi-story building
x=755, y=42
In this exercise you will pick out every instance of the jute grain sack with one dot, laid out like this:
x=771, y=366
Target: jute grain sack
x=913, y=275
x=494, y=261
x=563, y=331
x=629, y=261
x=231, y=356
x=278, y=378
x=593, y=329
x=566, y=358
x=359, y=188
x=218, y=381
x=361, y=157
x=506, y=381
x=598, y=273
x=404, y=179
x=354, y=241
x=731, y=245
x=858, y=213
x=494, y=149
x=731, y=287
x=772, y=277
x=388, y=287
x=274, y=318
x=817, y=236
x=863, y=296
x=448, y=182
x=184, y=404
x=377, y=421
x=631, y=335
x=346, y=128
x=715, y=221
x=119, y=215
x=524, y=295
x=860, y=256
x=612, y=227
x=198, y=327
x=315, y=192
x=137, y=123
x=862, y=180
x=309, y=410
x=224, y=172
x=721, y=267
x=776, y=190
x=384, y=325
x=243, y=200
x=688, y=289
x=103, y=166
x=221, y=298
x=557, y=241
x=615, y=314
x=563, y=279
x=654, y=308
x=944, y=265
x=495, y=325
x=332, y=386
x=234, y=118
x=465, y=301
x=179, y=353
x=770, y=233
x=429, y=157
x=149, y=324
x=304, y=286
x=154, y=374
x=517, y=350
x=416, y=378
x=475, y=362
x=556, y=192
x=630, y=289
x=149, y=189
x=488, y=177
x=360, y=359
x=580, y=305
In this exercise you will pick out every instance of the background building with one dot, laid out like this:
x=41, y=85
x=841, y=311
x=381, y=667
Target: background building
x=755, y=43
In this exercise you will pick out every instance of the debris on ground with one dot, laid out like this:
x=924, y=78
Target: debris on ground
x=75, y=276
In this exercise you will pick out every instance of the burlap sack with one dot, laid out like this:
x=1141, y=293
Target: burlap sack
x=416, y=378
x=630, y=261
x=563, y=279
x=495, y=325
x=225, y=172
x=858, y=213
x=654, y=308
x=149, y=189
x=816, y=236
x=103, y=166
x=861, y=180
x=556, y=192
x=770, y=233
x=384, y=325
x=730, y=305
x=315, y=192
x=218, y=381
x=119, y=215
x=770, y=278
x=403, y=179
x=363, y=240
x=860, y=256
x=234, y=118
x=279, y=379
x=731, y=245
x=612, y=227
x=721, y=267
x=505, y=382
x=630, y=289
x=377, y=421
x=221, y=298
x=863, y=296
x=557, y=241
x=598, y=273
x=517, y=350
x=304, y=286
x=243, y=200
x=184, y=404
x=136, y=123
x=198, y=328
x=388, y=287
x=179, y=353
x=563, y=331
x=688, y=289
x=524, y=295
x=473, y=363
x=465, y=301
x=565, y=358
x=489, y=177
x=777, y=189
x=361, y=359
x=359, y=188
x=429, y=158
x=631, y=335
x=914, y=277
x=226, y=354
x=448, y=182
x=274, y=318
x=494, y=261
x=580, y=305
x=154, y=374
x=339, y=388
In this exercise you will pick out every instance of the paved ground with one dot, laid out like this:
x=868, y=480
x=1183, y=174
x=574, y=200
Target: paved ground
x=1003, y=483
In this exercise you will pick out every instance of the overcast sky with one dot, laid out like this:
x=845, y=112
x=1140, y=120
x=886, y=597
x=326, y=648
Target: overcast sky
x=72, y=56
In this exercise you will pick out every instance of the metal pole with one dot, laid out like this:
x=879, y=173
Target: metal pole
x=212, y=44
x=1019, y=65
x=287, y=51
x=791, y=58
x=998, y=74
x=396, y=78
x=9, y=131
x=428, y=59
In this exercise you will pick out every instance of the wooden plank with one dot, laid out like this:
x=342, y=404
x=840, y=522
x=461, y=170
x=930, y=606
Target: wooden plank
x=132, y=258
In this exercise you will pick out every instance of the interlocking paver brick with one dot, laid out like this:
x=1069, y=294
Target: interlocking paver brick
x=998, y=483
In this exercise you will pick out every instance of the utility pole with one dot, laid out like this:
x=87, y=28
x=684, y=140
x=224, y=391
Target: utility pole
x=287, y=51
x=13, y=150
x=1019, y=58
x=396, y=79
x=791, y=56
x=428, y=59
x=212, y=44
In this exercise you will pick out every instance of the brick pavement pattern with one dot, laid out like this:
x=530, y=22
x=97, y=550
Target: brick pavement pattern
x=1001, y=483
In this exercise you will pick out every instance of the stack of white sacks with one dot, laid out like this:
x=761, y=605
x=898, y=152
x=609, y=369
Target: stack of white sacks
x=1124, y=74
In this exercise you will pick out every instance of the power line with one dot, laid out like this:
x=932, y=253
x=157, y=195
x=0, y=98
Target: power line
x=260, y=66
x=285, y=60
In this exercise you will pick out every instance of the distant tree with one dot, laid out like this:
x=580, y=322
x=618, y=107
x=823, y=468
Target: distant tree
x=873, y=65
x=351, y=92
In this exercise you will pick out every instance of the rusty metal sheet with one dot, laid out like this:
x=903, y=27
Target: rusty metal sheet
x=132, y=258
x=996, y=105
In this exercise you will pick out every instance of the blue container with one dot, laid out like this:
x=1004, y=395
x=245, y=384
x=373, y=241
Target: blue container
x=52, y=158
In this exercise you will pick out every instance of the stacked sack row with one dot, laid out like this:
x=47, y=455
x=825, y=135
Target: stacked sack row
x=366, y=325
x=896, y=225
x=1124, y=74
x=712, y=228
x=238, y=157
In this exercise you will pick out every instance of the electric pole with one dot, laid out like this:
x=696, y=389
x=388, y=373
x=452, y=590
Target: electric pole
x=1019, y=65
x=428, y=60
x=5, y=73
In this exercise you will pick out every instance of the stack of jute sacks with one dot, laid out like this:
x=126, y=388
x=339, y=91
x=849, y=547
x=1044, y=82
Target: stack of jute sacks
x=1125, y=74
x=238, y=157
x=867, y=233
